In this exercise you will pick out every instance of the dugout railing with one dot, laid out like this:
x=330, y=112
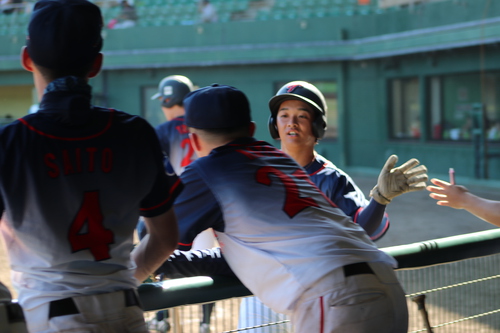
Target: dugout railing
x=458, y=275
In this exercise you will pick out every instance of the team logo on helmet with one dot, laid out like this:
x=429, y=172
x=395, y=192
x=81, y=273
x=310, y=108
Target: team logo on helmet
x=291, y=88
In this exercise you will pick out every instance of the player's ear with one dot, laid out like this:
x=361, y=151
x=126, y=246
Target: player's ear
x=195, y=141
x=26, y=59
x=251, y=128
x=96, y=66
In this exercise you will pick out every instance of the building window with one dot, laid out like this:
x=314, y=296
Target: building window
x=329, y=90
x=452, y=100
x=405, y=108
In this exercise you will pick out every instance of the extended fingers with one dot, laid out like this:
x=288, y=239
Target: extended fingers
x=408, y=165
x=416, y=186
x=421, y=169
x=440, y=182
x=438, y=196
x=390, y=163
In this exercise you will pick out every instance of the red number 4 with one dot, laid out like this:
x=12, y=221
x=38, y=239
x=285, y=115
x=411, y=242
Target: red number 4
x=294, y=203
x=96, y=238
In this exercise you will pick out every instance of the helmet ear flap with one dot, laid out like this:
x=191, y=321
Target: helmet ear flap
x=319, y=126
x=272, y=127
x=166, y=102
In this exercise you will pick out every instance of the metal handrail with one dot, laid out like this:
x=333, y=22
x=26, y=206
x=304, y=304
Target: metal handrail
x=203, y=289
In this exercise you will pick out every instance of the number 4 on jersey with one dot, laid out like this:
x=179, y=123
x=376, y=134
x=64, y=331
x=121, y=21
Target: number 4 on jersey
x=96, y=238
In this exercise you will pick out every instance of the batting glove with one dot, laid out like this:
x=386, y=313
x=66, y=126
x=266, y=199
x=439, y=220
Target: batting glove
x=395, y=181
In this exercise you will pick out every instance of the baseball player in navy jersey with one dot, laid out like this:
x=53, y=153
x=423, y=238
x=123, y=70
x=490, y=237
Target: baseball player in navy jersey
x=281, y=236
x=74, y=179
x=298, y=120
x=173, y=134
x=175, y=143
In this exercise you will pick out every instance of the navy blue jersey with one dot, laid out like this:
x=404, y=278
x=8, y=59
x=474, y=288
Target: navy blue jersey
x=342, y=190
x=73, y=181
x=270, y=220
x=175, y=143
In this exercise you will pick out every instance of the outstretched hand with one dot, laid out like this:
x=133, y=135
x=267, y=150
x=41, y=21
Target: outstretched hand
x=392, y=181
x=447, y=194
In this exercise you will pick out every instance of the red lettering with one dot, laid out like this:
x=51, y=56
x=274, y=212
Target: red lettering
x=79, y=160
x=107, y=160
x=182, y=129
x=68, y=167
x=78, y=157
x=49, y=161
x=91, y=152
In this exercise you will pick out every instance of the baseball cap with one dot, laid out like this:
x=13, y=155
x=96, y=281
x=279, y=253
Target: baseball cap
x=216, y=106
x=172, y=89
x=64, y=34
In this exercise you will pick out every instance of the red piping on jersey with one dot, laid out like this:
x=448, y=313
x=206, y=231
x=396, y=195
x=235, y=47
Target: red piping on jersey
x=321, y=315
x=355, y=219
x=315, y=172
x=383, y=231
x=172, y=189
x=108, y=125
x=183, y=244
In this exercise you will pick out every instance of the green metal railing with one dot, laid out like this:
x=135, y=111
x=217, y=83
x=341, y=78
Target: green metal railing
x=437, y=268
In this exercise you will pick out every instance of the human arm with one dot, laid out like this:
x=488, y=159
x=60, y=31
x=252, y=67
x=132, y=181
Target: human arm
x=459, y=197
x=393, y=182
x=196, y=208
x=207, y=262
x=373, y=219
x=341, y=189
x=157, y=245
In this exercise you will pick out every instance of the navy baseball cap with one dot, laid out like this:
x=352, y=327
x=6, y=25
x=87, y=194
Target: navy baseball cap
x=216, y=106
x=64, y=34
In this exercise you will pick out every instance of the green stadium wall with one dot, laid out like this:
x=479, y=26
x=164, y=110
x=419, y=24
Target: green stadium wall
x=361, y=53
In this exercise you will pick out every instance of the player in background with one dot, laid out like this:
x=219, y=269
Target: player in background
x=459, y=197
x=279, y=234
x=173, y=134
x=298, y=120
x=74, y=179
x=175, y=143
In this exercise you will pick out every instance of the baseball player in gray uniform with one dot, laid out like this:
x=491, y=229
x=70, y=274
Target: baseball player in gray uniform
x=298, y=121
x=74, y=179
x=175, y=143
x=281, y=236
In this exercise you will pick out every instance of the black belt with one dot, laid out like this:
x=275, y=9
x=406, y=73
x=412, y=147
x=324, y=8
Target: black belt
x=67, y=306
x=14, y=312
x=357, y=268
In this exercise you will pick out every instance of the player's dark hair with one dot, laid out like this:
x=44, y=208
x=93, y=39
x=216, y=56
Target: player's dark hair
x=52, y=74
x=225, y=134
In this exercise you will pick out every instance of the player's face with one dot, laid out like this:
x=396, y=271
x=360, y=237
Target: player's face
x=294, y=122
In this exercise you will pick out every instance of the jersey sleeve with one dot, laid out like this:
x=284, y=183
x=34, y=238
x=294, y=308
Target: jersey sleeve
x=342, y=191
x=196, y=208
x=161, y=132
x=373, y=219
x=166, y=185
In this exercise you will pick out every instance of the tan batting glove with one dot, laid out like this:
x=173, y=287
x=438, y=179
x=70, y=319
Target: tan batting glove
x=395, y=181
